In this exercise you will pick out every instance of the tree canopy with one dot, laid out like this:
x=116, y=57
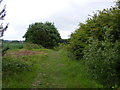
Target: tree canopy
x=97, y=43
x=44, y=34
x=104, y=24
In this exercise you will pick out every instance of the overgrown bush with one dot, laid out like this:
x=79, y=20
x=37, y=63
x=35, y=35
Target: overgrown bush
x=4, y=50
x=12, y=65
x=97, y=42
x=103, y=62
x=45, y=34
x=96, y=27
x=30, y=46
x=78, y=42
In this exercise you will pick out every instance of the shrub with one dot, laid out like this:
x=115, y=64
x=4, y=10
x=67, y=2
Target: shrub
x=45, y=34
x=32, y=46
x=96, y=27
x=4, y=50
x=12, y=65
x=78, y=42
x=102, y=61
x=97, y=42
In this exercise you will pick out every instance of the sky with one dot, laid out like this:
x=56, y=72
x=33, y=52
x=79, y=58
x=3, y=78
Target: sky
x=65, y=14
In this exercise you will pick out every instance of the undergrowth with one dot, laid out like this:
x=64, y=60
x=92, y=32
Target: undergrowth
x=56, y=69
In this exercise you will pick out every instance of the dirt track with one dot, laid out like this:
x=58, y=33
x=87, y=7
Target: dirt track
x=25, y=52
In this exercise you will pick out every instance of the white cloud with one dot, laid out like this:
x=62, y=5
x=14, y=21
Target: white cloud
x=65, y=34
x=12, y=34
x=66, y=14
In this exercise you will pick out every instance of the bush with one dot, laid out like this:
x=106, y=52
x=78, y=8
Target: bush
x=78, y=42
x=102, y=61
x=12, y=65
x=32, y=46
x=4, y=50
x=45, y=34
x=102, y=22
x=97, y=42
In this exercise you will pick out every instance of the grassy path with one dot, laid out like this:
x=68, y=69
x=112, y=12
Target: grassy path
x=50, y=74
x=52, y=70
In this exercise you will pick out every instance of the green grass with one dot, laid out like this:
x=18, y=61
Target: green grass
x=54, y=70
x=13, y=45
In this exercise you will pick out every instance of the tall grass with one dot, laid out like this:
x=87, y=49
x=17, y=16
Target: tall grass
x=56, y=69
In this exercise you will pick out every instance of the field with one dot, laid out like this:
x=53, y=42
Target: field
x=44, y=68
x=13, y=45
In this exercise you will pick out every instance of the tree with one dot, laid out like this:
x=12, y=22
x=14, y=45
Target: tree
x=118, y=3
x=101, y=23
x=2, y=29
x=100, y=41
x=2, y=15
x=44, y=34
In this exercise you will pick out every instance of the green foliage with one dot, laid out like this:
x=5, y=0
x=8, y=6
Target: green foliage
x=31, y=46
x=13, y=45
x=64, y=41
x=78, y=42
x=12, y=65
x=102, y=61
x=96, y=27
x=15, y=41
x=54, y=70
x=44, y=34
x=97, y=43
x=4, y=50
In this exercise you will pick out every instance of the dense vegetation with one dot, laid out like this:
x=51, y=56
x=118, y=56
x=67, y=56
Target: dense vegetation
x=90, y=58
x=51, y=69
x=97, y=42
x=44, y=34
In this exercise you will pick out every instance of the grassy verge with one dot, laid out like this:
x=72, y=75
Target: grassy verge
x=53, y=70
x=13, y=46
